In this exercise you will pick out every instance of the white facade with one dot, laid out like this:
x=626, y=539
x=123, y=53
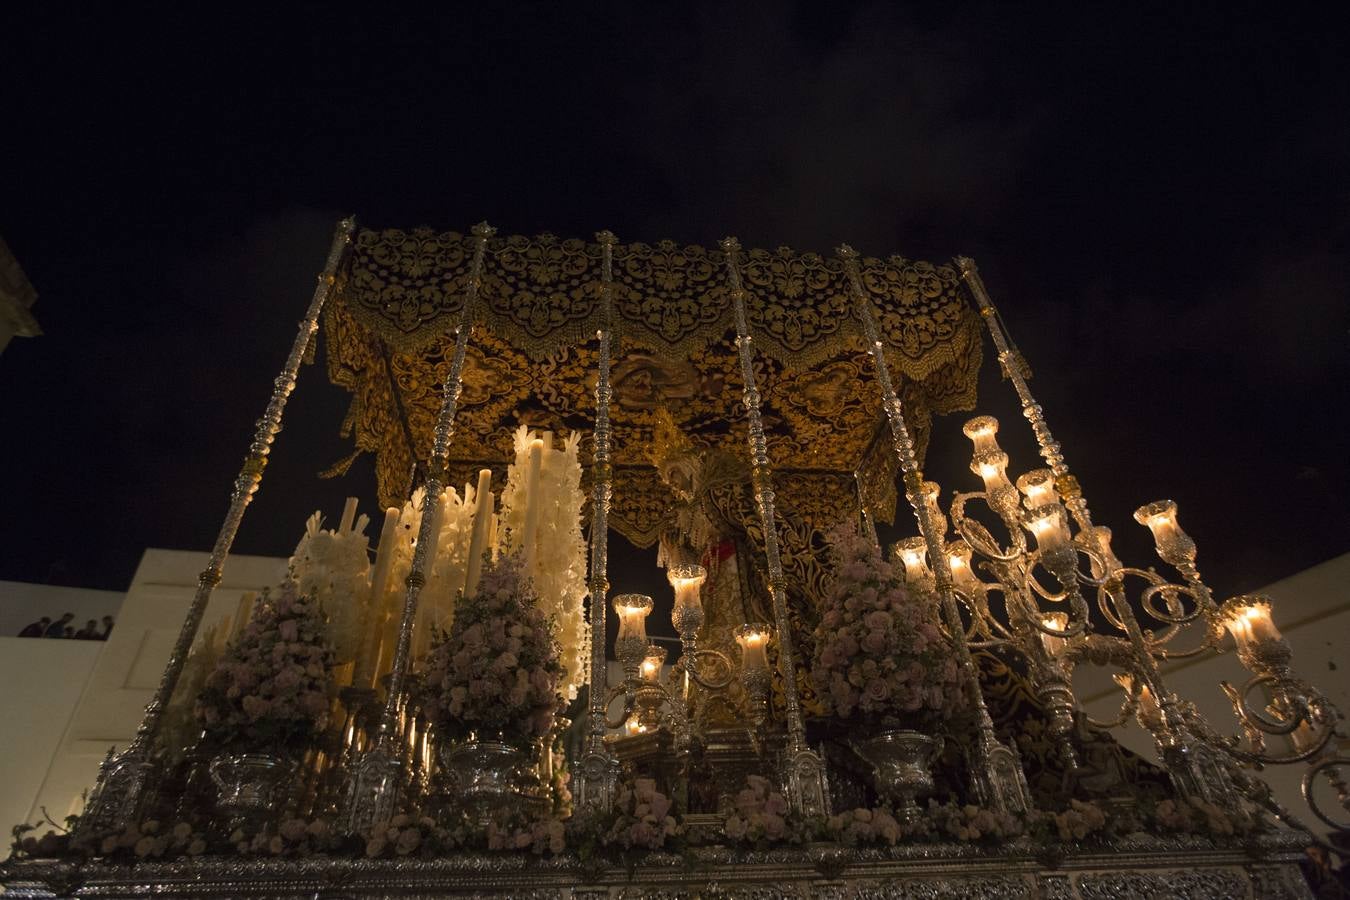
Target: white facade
x=73, y=700
x=1312, y=611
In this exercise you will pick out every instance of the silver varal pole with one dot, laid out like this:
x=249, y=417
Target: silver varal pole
x=376, y=776
x=1194, y=770
x=805, y=775
x=119, y=793
x=999, y=781
x=598, y=771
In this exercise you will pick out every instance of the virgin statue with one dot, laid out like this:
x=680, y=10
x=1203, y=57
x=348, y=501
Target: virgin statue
x=715, y=523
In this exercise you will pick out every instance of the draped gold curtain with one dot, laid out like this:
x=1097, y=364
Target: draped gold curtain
x=532, y=359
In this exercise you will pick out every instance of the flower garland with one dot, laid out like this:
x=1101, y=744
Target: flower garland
x=878, y=652
x=498, y=670
x=761, y=816
x=272, y=687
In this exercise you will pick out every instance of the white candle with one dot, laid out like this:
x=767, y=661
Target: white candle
x=372, y=618
x=429, y=606
x=1053, y=643
x=494, y=537
x=531, y=527
x=348, y=516
x=482, y=523
x=754, y=642
x=243, y=612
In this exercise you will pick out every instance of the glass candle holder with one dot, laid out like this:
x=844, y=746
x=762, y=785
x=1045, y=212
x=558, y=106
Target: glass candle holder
x=1102, y=561
x=652, y=663
x=983, y=433
x=753, y=639
x=913, y=555
x=1174, y=546
x=963, y=576
x=992, y=466
x=1049, y=525
x=1150, y=714
x=1248, y=619
x=631, y=644
x=687, y=613
x=1038, y=488
x=1053, y=644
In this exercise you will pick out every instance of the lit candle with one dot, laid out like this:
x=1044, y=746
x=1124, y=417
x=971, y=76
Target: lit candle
x=652, y=663
x=1148, y=706
x=983, y=433
x=754, y=641
x=1173, y=544
x=991, y=465
x=1054, y=643
x=533, y=462
x=687, y=614
x=911, y=552
x=633, y=726
x=963, y=576
x=482, y=523
x=1248, y=619
x=1049, y=525
x=1038, y=488
x=631, y=644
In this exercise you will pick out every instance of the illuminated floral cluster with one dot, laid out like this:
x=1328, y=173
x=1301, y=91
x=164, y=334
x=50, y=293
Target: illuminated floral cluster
x=878, y=651
x=761, y=814
x=1195, y=816
x=498, y=670
x=1079, y=821
x=974, y=823
x=865, y=826
x=271, y=687
x=642, y=817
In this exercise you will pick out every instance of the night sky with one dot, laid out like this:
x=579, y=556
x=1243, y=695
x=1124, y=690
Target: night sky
x=1159, y=205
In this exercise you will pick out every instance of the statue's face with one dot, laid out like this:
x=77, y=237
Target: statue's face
x=681, y=474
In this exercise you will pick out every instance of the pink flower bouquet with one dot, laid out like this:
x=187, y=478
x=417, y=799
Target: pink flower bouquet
x=879, y=654
x=497, y=672
x=271, y=689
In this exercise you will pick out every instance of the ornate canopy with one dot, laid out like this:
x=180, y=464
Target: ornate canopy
x=532, y=358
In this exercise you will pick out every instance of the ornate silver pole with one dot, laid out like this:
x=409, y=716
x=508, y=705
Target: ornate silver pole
x=805, y=776
x=118, y=795
x=598, y=772
x=998, y=777
x=1193, y=768
x=376, y=775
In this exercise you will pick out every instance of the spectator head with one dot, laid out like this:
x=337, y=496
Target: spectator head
x=67, y=617
x=107, y=621
x=70, y=632
x=45, y=621
x=91, y=625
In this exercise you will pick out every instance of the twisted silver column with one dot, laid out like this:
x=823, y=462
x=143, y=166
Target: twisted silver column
x=598, y=772
x=805, y=776
x=119, y=792
x=376, y=775
x=998, y=778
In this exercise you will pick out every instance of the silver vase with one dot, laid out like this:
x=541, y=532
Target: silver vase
x=250, y=785
x=488, y=777
x=902, y=762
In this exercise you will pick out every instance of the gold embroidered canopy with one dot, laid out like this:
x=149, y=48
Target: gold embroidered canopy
x=532, y=358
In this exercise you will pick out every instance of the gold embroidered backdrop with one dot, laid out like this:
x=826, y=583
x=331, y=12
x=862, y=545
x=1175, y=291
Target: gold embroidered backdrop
x=532, y=358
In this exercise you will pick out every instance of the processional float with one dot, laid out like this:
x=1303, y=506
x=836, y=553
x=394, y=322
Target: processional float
x=773, y=394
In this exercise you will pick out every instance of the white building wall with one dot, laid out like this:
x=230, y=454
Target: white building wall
x=1312, y=611
x=121, y=679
